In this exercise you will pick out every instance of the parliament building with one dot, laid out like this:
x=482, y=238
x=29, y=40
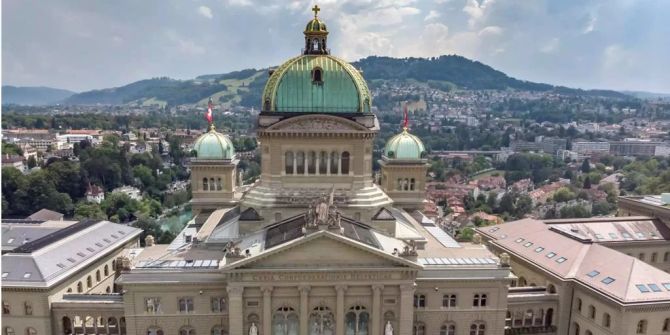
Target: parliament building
x=315, y=246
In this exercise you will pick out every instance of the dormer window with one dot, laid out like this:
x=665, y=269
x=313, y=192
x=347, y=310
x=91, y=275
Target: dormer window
x=317, y=76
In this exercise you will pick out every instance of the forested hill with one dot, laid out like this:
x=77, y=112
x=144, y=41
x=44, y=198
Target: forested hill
x=33, y=95
x=245, y=87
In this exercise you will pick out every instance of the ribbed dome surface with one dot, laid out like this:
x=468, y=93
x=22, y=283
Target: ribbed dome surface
x=214, y=145
x=404, y=146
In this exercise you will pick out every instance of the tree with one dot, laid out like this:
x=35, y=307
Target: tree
x=507, y=203
x=524, y=204
x=120, y=205
x=564, y=194
x=586, y=166
x=67, y=178
x=85, y=210
x=587, y=183
x=32, y=162
x=601, y=208
x=466, y=234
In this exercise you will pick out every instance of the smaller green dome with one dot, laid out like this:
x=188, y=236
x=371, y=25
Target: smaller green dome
x=214, y=145
x=404, y=146
x=316, y=26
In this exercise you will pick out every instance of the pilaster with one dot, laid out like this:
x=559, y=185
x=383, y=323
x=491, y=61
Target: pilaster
x=236, y=310
x=304, y=309
x=339, y=312
x=406, y=309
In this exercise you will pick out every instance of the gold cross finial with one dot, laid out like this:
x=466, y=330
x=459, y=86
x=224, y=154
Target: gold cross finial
x=316, y=10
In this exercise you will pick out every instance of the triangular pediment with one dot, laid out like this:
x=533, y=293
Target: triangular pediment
x=323, y=249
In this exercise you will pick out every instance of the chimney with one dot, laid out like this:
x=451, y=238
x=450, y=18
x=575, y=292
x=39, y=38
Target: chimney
x=149, y=241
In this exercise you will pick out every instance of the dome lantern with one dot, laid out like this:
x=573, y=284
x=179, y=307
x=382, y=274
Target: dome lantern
x=316, y=35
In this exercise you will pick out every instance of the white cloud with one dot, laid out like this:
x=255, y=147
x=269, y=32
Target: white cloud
x=205, y=11
x=490, y=31
x=241, y=3
x=551, y=46
x=477, y=10
x=433, y=14
x=184, y=46
x=590, y=24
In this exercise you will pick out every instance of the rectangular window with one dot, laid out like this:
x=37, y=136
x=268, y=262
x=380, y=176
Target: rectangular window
x=642, y=288
x=449, y=300
x=519, y=240
x=528, y=244
x=561, y=260
x=607, y=280
x=186, y=305
x=667, y=286
x=551, y=255
x=539, y=249
x=654, y=287
x=218, y=304
x=613, y=236
x=593, y=273
x=152, y=305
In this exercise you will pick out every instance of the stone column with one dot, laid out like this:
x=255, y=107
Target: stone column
x=235, y=310
x=328, y=166
x=306, y=163
x=304, y=309
x=339, y=311
x=295, y=164
x=339, y=164
x=317, y=161
x=376, y=308
x=267, y=310
x=406, y=309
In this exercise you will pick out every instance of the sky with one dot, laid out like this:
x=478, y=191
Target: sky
x=90, y=44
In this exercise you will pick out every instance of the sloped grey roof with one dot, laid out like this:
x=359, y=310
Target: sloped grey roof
x=46, y=214
x=50, y=259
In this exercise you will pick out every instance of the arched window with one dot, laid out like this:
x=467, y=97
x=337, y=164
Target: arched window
x=323, y=162
x=478, y=328
x=205, y=184
x=218, y=330
x=108, y=290
x=666, y=256
x=28, y=308
x=538, y=317
x=311, y=162
x=212, y=186
x=5, y=308
x=448, y=329
x=406, y=184
x=607, y=320
x=80, y=287
x=549, y=318
x=419, y=301
x=654, y=257
x=97, y=275
x=588, y=332
x=105, y=271
x=288, y=162
x=592, y=312
x=321, y=321
x=113, y=326
x=300, y=162
x=89, y=282
x=389, y=318
x=9, y=331
x=641, y=256
x=154, y=330
x=67, y=325
x=666, y=325
x=411, y=184
x=449, y=300
x=186, y=330
x=69, y=290
x=285, y=321
x=219, y=184
x=356, y=321
x=551, y=289
x=345, y=162
x=522, y=281
x=317, y=73
x=419, y=328
x=579, y=304
x=576, y=328
x=641, y=327
x=334, y=162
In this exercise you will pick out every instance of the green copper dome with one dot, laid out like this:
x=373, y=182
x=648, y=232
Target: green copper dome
x=404, y=146
x=214, y=145
x=316, y=84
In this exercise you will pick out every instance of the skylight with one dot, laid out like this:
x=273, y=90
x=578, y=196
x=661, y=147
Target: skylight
x=81, y=254
x=519, y=240
x=122, y=232
x=71, y=260
x=551, y=255
x=98, y=244
x=27, y=275
x=640, y=235
x=528, y=244
x=666, y=285
x=61, y=265
x=10, y=240
x=493, y=229
x=598, y=236
x=625, y=235
x=593, y=273
x=607, y=280
x=561, y=260
x=114, y=236
x=90, y=249
x=613, y=235
x=642, y=288
x=5, y=274
x=107, y=240
x=654, y=287
x=539, y=249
